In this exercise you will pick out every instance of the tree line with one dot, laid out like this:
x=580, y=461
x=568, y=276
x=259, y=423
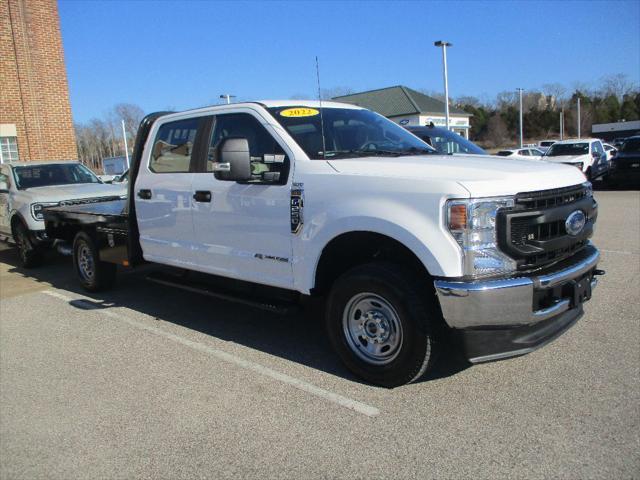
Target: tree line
x=497, y=123
x=101, y=138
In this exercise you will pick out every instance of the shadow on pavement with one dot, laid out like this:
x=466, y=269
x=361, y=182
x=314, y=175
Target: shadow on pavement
x=298, y=337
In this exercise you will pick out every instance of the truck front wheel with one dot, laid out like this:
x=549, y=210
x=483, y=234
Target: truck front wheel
x=382, y=324
x=94, y=275
x=30, y=255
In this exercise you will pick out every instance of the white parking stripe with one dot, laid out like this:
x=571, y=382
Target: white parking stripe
x=622, y=252
x=359, y=407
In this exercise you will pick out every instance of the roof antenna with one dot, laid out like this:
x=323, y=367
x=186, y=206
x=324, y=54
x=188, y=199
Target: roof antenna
x=324, y=147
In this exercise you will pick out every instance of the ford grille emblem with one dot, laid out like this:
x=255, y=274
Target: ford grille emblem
x=575, y=222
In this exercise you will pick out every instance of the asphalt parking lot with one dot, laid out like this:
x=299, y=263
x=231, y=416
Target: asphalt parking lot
x=149, y=382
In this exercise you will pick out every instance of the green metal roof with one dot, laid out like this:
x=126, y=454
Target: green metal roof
x=397, y=101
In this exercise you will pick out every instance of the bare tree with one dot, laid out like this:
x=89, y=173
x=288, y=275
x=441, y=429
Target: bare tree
x=497, y=133
x=329, y=93
x=618, y=85
x=557, y=92
x=132, y=116
x=506, y=99
x=299, y=96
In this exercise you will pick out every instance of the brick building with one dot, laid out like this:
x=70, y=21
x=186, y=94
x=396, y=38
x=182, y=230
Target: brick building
x=35, y=112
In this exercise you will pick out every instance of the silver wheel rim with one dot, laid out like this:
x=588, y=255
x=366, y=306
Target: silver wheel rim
x=85, y=263
x=372, y=328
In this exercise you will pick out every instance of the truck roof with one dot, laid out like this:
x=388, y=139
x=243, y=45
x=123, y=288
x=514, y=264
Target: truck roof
x=41, y=162
x=307, y=103
x=269, y=104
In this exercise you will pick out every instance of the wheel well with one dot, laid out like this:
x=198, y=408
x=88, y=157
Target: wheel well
x=15, y=220
x=355, y=248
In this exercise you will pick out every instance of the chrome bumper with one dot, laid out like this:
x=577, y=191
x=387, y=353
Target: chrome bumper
x=508, y=302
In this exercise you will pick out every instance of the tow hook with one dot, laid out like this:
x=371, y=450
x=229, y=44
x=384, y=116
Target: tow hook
x=598, y=272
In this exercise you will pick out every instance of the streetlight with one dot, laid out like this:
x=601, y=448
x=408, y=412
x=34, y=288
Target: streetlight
x=444, y=46
x=579, y=118
x=227, y=97
x=520, y=91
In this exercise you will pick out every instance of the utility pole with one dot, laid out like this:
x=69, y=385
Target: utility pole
x=579, y=118
x=521, y=130
x=444, y=46
x=562, y=124
x=126, y=148
x=227, y=97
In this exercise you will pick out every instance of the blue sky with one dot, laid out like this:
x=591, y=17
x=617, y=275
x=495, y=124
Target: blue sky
x=184, y=54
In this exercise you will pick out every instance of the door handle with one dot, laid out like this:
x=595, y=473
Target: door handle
x=144, y=194
x=202, y=196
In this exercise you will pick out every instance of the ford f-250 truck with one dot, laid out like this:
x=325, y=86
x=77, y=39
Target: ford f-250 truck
x=269, y=202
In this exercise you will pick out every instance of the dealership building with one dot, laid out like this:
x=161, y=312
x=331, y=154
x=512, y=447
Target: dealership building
x=35, y=112
x=407, y=107
x=611, y=131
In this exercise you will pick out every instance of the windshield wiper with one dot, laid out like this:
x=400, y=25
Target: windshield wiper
x=377, y=153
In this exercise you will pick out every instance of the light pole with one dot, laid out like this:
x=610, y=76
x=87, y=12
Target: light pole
x=520, y=91
x=227, y=97
x=562, y=124
x=578, y=118
x=444, y=46
x=126, y=147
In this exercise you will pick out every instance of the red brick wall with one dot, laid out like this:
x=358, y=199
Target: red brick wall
x=33, y=81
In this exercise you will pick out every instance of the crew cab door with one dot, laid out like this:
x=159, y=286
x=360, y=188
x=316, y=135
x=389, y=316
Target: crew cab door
x=243, y=230
x=163, y=191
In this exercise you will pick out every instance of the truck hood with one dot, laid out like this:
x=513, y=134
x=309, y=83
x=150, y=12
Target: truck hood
x=568, y=158
x=58, y=193
x=481, y=176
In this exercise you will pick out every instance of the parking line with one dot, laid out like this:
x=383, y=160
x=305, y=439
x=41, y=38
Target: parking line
x=359, y=407
x=621, y=252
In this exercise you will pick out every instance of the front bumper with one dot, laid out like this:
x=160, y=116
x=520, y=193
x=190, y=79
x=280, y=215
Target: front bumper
x=496, y=319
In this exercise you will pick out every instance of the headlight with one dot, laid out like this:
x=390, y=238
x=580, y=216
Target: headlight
x=472, y=224
x=37, y=209
x=588, y=189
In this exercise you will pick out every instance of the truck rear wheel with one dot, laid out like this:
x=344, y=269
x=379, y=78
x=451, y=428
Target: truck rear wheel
x=381, y=324
x=94, y=275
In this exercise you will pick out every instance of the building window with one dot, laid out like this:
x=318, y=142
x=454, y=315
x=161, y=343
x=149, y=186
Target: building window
x=8, y=149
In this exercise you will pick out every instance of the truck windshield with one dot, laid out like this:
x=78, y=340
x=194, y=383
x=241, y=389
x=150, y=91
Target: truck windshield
x=53, y=174
x=560, y=149
x=348, y=133
x=631, y=145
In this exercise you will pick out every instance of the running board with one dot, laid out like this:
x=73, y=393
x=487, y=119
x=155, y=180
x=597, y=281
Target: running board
x=183, y=282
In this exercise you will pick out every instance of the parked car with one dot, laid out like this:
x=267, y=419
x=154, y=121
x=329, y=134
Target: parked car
x=543, y=145
x=445, y=141
x=267, y=203
x=610, y=150
x=625, y=165
x=28, y=188
x=587, y=154
x=522, y=153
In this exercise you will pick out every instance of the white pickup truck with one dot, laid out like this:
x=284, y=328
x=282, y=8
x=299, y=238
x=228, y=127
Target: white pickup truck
x=269, y=202
x=27, y=188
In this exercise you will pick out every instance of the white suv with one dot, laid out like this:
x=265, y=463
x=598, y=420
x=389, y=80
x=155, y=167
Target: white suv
x=27, y=188
x=587, y=154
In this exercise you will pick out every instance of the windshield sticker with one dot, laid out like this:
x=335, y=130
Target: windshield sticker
x=299, y=112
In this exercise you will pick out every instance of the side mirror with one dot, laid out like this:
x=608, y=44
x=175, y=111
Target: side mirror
x=4, y=187
x=234, y=160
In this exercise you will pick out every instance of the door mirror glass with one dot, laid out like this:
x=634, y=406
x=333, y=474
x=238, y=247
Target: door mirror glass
x=234, y=160
x=4, y=186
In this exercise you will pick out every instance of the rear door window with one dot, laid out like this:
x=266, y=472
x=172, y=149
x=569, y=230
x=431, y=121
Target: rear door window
x=174, y=145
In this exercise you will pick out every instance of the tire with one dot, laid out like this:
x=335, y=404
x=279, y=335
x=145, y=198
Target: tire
x=30, y=255
x=93, y=274
x=395, y=344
